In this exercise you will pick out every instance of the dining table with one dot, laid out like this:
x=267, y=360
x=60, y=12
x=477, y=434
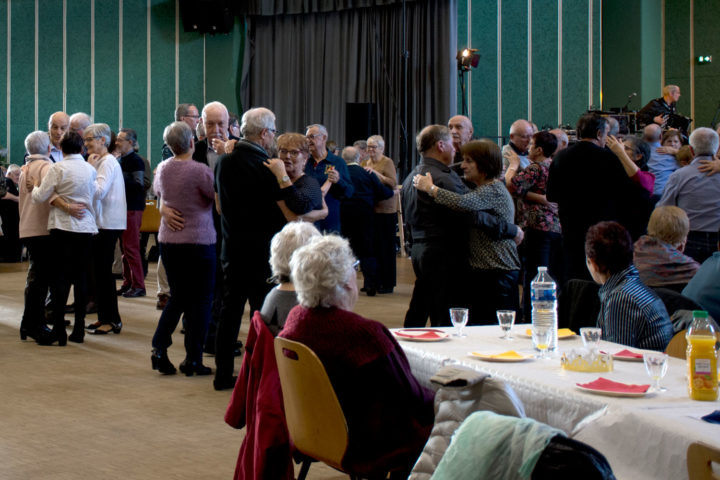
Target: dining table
x=643, y=435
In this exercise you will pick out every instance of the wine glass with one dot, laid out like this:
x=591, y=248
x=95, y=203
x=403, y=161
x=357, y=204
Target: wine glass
x=459, y=318
x=506, y=319
x=656, y=364
x=591, y=338
x=541, y=336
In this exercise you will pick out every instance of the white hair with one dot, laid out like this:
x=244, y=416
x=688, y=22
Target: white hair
x=322, y=128
x=293, y=236
x=519, y=126
x=11, y=168
x=100, y=130
x=37, y=143
x=351, y=154
x=256, y=120
x=320, y=270
x=212, y=105
x=178, y=136
x=379, y=140
x=704, y=141
x=80, y=119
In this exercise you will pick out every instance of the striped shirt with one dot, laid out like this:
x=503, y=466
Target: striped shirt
x=632, y=314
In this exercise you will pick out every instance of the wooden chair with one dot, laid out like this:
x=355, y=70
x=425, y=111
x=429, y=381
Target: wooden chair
x=150, y=218
x=315, y=419
x=700, y=458
x=678, y=345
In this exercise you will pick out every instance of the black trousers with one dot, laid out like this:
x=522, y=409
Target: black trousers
x=241, y=284
x=542, y=249
x=359, y=228
x=439, y=276
x=70, y=254
x=105, y=294
x=385, y=229
x=490, y=291
x=38, y=281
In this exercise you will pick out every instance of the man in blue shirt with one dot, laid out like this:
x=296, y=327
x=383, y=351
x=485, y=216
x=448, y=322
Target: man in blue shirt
x=662, y=165
x=323, y=165
x=699, y=195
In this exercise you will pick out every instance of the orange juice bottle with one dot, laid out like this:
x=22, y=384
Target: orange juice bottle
x=702, y=358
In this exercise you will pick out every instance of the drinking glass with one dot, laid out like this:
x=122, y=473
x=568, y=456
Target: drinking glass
x=506, y=319
x=541, y=337
x=656, y=364
x=459, y=318
x=591, y=338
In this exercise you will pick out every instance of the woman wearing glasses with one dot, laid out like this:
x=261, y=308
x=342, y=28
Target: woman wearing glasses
x=294, y=154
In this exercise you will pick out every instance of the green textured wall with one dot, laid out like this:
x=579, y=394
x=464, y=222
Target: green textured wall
x=103, y=68
x=553, y=92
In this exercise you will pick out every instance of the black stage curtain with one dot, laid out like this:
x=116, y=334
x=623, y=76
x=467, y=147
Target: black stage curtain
x=306, y=67
x=291, y=7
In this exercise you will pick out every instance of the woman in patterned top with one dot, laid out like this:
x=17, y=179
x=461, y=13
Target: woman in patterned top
x=540, y=220
x=494, y=264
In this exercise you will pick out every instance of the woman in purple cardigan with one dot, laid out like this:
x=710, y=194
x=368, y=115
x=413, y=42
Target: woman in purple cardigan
x=389, y=414
x=188, y=253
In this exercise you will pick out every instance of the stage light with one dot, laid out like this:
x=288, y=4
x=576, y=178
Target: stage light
x=467, y=59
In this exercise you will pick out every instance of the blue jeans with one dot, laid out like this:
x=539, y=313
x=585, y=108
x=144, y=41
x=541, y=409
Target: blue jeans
x=191, y=274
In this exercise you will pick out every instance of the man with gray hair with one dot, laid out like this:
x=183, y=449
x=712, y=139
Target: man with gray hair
x=521, y=132
x=562, y=139
x=247, y=193
x=324, y=165
x=79, y=121
x=215, y=119
x=357, y=216
x=438, y=235
x=361, y=145
x=188, y=113
x=662, y=165
x=58, y=123
x=699, y=195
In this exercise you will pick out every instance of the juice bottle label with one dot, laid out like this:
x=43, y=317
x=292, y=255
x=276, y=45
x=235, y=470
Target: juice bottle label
x=702, y=366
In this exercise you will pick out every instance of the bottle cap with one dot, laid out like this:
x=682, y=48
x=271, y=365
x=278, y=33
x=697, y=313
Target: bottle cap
x=700, y=314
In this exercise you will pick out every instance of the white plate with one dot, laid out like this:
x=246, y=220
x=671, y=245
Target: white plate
x=414, y=334
x=489, y=358
x=609, y=393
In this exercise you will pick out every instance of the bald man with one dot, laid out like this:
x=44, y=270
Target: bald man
x=79, y=121
x=461, y=131
x=521, y=132
x=58, y=123
x=562, y=139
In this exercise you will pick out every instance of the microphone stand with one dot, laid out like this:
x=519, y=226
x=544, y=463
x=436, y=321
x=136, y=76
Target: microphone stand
x=630, y=97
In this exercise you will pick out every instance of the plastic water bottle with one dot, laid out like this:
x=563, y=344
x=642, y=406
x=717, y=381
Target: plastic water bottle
x=543, y=294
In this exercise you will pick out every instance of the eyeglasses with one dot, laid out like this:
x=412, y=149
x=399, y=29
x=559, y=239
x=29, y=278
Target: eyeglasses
x=372, y=147
x=272, y=130
x=192, y=116
x=290, y=153
x=90, y=139
x=356, y=265
x=313, y=136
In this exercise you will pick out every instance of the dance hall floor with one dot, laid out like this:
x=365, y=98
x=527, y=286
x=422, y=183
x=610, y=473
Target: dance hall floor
x=97, y=410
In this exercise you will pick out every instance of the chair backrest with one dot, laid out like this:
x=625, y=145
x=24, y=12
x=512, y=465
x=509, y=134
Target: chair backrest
x=700, y=457
x=578, y=304
x=678, y=345
x=315, y=419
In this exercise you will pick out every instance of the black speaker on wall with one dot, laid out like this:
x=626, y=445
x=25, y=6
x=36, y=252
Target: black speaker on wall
x=207, y=16
x=361, y=121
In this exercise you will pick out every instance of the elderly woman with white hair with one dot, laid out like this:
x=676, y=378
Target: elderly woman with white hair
x=385, y=213
x=281, y=299
x=110, y=215
x=188, y=254
x=389, y=414
x=35, y=235
x=72, y=225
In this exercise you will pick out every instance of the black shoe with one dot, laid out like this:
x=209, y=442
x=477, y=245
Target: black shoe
x=33, y=333
x=105, y=328
x=224, y=383
x=78, y=333
x=194, y=368
x=59, y=335
x=385, y=290
x=161, y=362
x=134, y=293
x=93, y=326
x=123, y=289
x=370, y=292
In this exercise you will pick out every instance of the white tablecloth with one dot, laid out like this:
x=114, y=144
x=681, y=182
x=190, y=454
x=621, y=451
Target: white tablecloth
x=641, y=437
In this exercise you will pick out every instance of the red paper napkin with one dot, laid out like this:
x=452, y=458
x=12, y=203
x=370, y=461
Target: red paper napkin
x=426, y=334
x=628, y=353
x=610, y=386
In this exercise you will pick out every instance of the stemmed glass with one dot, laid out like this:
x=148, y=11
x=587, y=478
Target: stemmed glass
x=459, y=318
x=656, y=364
x=506, y=319
x=541, y=336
